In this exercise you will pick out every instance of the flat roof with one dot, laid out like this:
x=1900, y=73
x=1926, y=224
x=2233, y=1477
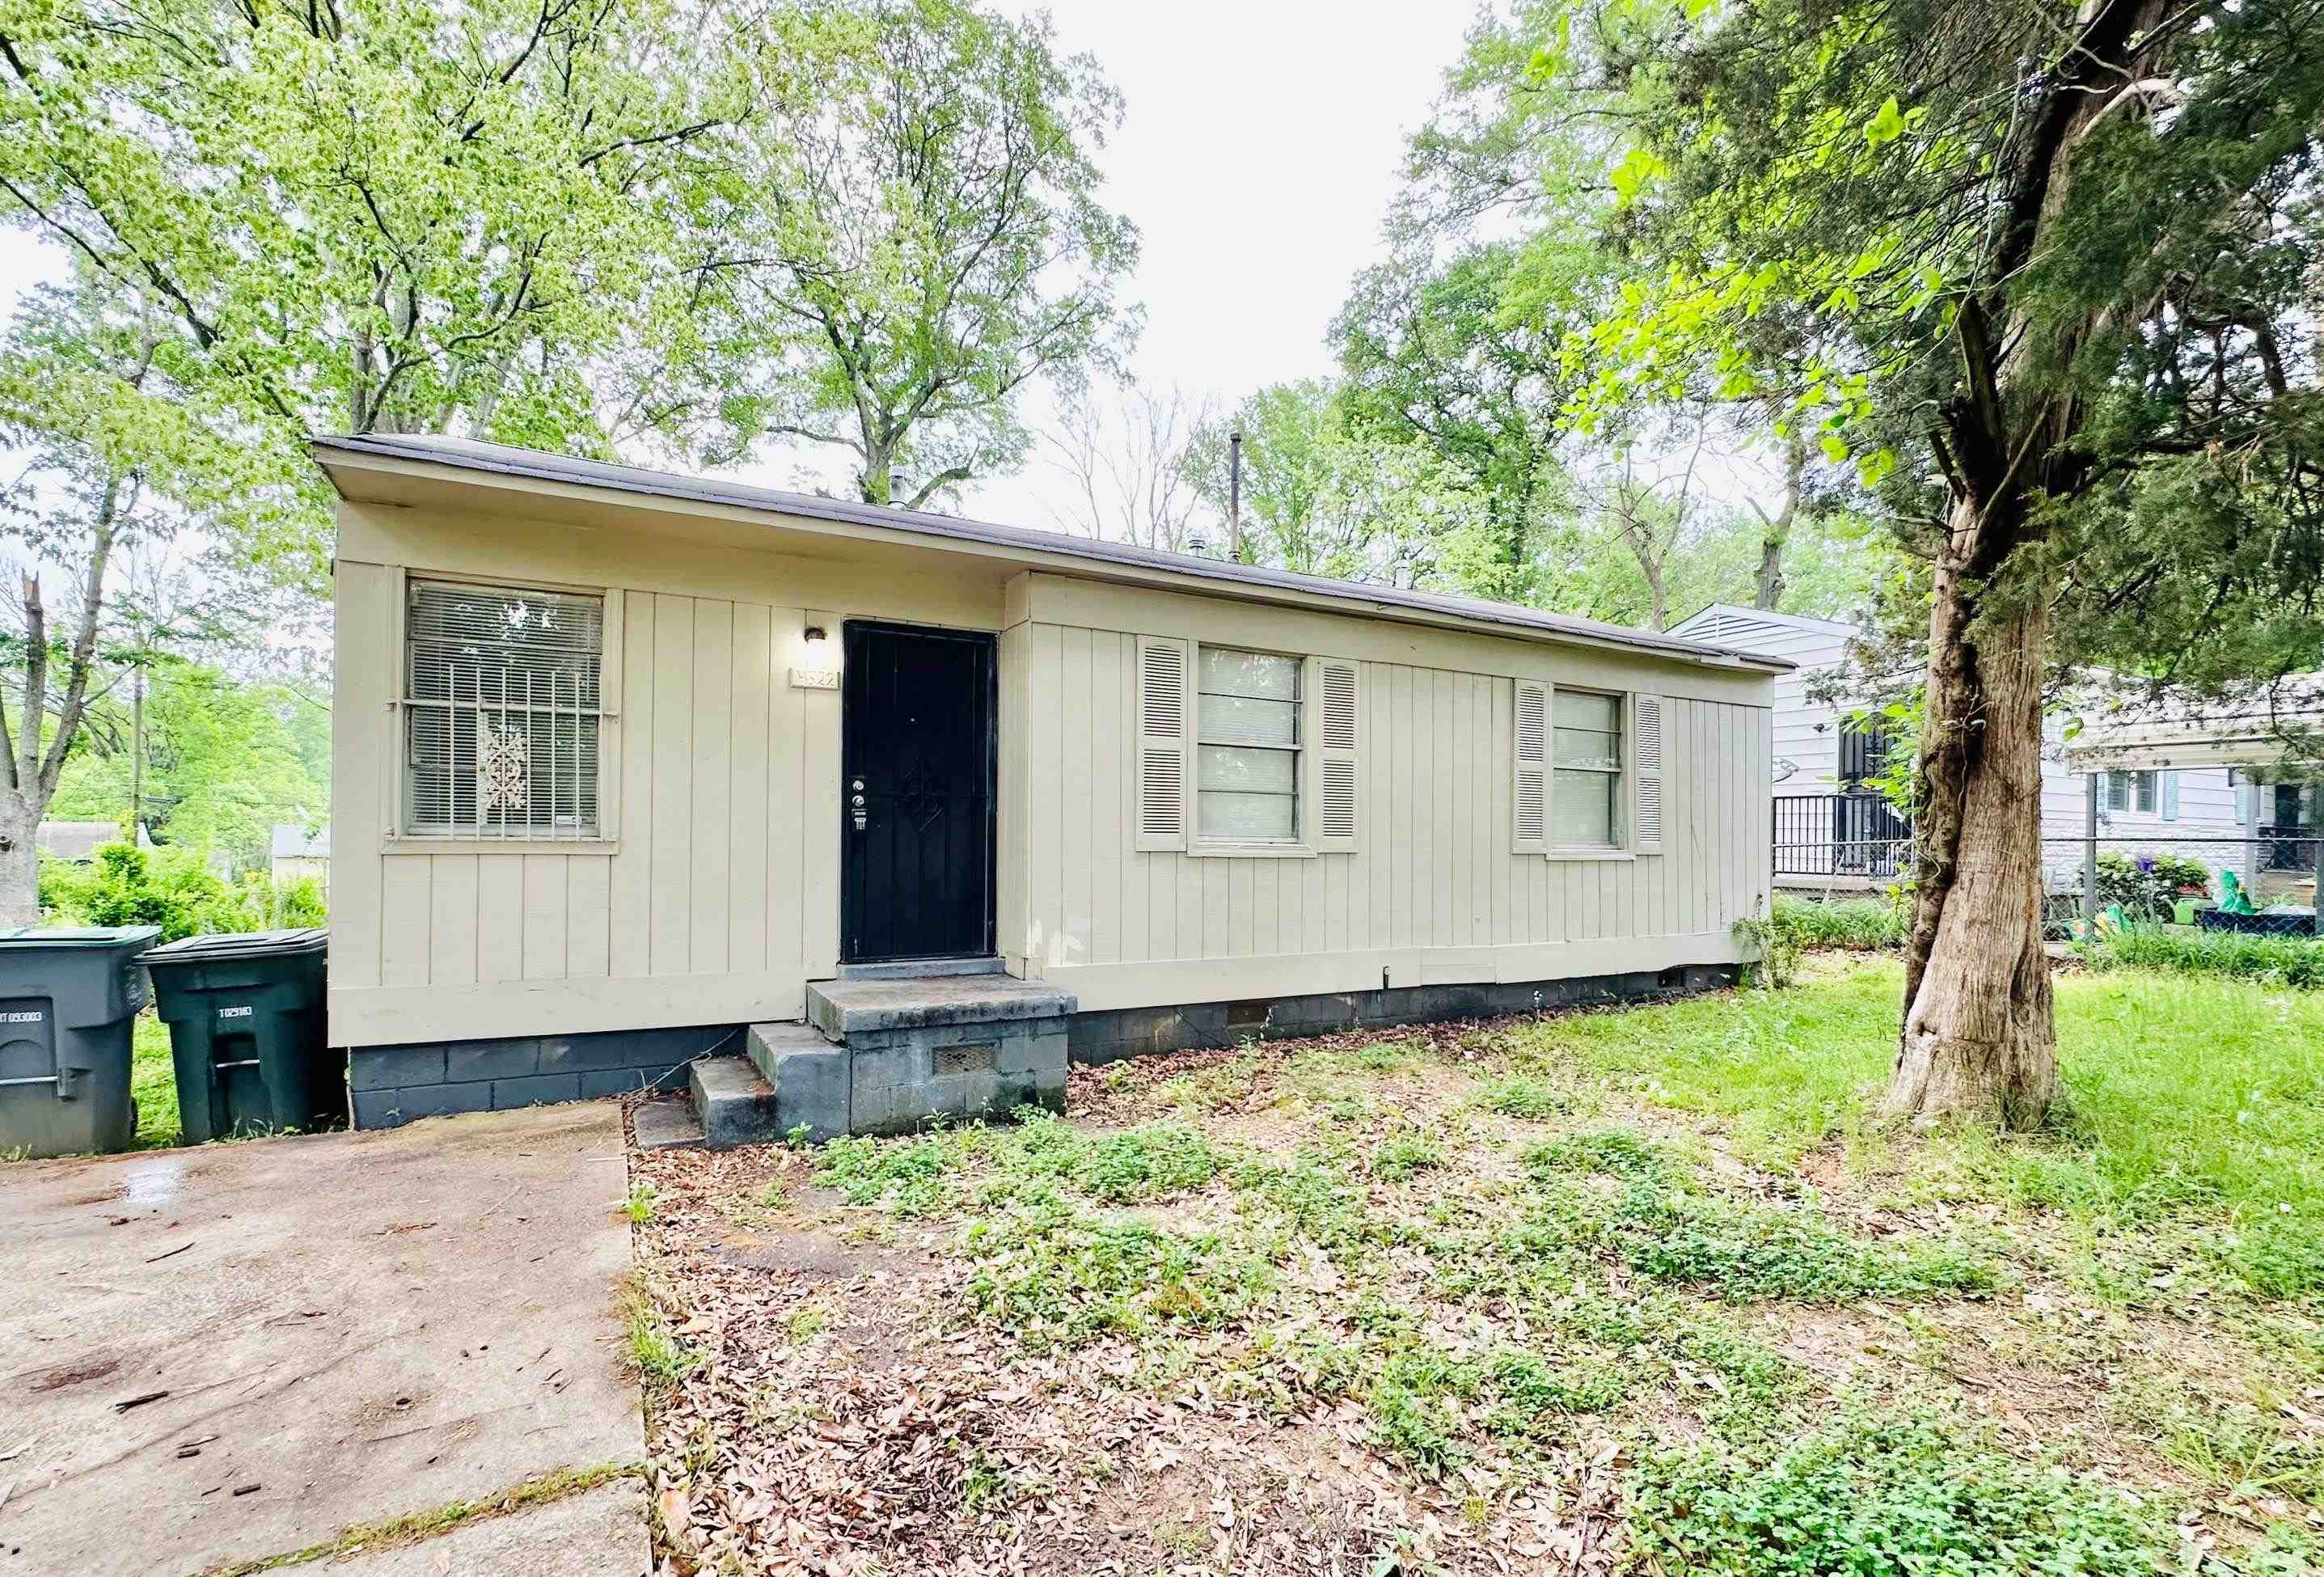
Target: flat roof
x=1208, y=574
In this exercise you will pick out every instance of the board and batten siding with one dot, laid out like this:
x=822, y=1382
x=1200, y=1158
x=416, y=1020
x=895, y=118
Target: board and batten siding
x=1432, y=893
x=714, y=895
x=708, y=885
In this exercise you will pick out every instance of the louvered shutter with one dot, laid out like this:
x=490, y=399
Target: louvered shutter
x=1647, y=774
x=1163, y=678
x=1337, y=772
x=2170, y=797
x=1529, y=833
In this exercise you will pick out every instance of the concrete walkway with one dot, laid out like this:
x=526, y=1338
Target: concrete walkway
x=236, y=1352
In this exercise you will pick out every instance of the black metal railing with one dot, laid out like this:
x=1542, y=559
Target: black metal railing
x=2287, y=848
x=1841, y=835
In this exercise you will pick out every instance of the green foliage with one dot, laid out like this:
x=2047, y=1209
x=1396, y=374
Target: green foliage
x=1884, y=1496
x=1516, y=1095
x=2148, y=889
x=2290, y=961
x=396, y=218
x=174, y=889
x=920, y=197
x=1861, y=924
x=225, y=762
x=1777, y=949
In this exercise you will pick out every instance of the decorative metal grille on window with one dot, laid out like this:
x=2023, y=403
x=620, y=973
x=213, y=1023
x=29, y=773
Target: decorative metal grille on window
x=501, y=712
x=1247, y=774
x=1586, y=756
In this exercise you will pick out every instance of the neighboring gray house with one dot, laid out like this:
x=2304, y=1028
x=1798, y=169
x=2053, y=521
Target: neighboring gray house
x=1832, y=834
x=79, y=841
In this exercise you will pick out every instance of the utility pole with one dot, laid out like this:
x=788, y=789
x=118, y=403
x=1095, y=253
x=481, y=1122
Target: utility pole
x=136, y=754
x=1234, y=496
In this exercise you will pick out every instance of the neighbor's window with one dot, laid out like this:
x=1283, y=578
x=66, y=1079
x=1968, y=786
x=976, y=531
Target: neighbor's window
x=1586, y=759
x=2132, y=791
x=501, y=710
x=1247, y=718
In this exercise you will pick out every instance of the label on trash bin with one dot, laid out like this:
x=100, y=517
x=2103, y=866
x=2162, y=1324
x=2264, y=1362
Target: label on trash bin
x=234, y=1012
x=35, y=1017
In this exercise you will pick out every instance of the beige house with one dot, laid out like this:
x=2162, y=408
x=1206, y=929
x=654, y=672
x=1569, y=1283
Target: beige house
x=627, y=761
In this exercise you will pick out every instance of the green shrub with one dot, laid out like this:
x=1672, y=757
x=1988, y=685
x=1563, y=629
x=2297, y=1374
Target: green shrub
x=173, y=887
x=2293, y=960
x=1882, y=1497
x=1858, y=923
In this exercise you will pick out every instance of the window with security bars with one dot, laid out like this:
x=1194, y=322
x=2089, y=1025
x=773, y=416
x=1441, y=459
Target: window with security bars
x=501, y=712
x=1247, y=773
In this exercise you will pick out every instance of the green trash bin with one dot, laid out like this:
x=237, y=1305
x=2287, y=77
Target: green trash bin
x=247, y=1033
x=68, y=1001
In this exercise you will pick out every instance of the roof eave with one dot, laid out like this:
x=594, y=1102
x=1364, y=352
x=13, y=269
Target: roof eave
x=1117, y=562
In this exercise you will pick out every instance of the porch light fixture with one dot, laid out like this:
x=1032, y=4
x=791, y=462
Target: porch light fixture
x=817, y=667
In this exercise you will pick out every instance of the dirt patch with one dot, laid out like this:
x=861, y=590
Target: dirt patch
x=57, y=1379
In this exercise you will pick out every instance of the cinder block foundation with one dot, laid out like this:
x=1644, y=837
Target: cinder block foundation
x=1108, y=1036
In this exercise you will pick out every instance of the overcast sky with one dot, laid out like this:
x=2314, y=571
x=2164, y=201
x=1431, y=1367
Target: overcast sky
x=1262, y=141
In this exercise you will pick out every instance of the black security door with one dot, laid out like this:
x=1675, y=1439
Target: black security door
x=916, y=800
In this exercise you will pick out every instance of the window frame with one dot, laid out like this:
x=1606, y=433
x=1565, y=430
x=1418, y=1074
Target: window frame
x=1303, y=750
x=396, y=835
x=1622, y=833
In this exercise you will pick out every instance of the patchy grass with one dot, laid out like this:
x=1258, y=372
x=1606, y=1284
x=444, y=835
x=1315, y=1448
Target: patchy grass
x=1653, y=1288
x=396, y=1532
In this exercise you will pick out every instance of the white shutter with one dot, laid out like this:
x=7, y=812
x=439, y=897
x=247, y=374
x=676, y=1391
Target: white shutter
x=1529, y=835
x=1337, y=773
x=1165, y=676
x=1647, y=774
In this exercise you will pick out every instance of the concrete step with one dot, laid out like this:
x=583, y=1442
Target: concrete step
x=810, y=1076
x=666, y=1125
x=922, y=969
x=733, y=1104
x=841, y=1007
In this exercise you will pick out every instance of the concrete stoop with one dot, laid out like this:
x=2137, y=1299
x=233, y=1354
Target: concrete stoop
x=885, y=1054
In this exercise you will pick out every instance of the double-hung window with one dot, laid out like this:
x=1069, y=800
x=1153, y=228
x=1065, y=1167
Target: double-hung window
x=1246, y=747
x=1586, y=770
x=2132, y=791
x=501, y=712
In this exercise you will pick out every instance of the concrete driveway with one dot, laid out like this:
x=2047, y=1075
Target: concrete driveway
x=227, y=1355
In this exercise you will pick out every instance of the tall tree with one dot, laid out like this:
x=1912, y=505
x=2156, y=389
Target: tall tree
x=393, y=215
x=919, y=220
x=96, y=431
x=1124, y=450
x=2051, y=257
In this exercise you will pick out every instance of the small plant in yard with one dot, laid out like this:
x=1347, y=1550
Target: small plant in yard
x=1397, y=1159
x=661, y=1360
x=1517, y=1095
x=1778, y=951
x=1889, y=1493
x=638, y=1206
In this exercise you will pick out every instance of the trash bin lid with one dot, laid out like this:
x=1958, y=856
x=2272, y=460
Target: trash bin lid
x=79, y=936
x=239, y=944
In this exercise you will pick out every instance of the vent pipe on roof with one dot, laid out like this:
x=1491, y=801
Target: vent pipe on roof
x=1234, y=496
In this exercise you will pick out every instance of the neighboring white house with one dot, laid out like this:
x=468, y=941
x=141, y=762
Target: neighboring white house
x=295, y=852
x=2207, y=814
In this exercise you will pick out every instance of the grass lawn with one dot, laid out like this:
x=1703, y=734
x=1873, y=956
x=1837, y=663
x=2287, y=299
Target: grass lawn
x=153, y=1083
x=1644, y=1290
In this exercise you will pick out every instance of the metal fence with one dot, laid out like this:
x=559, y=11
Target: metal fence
x=1841, y=835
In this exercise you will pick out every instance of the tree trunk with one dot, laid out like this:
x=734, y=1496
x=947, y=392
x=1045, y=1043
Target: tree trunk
x=1979, y=1041
x=20, y=859
x=1776, y=530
